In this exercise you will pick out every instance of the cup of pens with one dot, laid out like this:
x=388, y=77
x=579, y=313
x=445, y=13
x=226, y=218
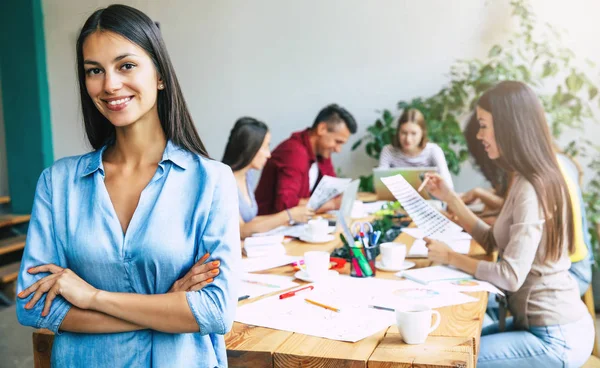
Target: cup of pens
x=362, y=261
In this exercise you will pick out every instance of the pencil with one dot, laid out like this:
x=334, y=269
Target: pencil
x=382, y=308
x=322, y=305
x=423, y=184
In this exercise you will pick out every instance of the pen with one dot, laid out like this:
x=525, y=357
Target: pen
x=293, y=292
x=262, y=284
x=243, y=298
x=322, y=305
x=382, y=308
x=423, y=184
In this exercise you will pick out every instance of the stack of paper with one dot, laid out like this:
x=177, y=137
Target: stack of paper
x=266, y=263
x=262, y=246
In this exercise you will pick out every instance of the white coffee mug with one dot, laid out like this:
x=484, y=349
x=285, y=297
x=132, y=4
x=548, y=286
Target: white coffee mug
x=414, y=322
x=317, y=264
x=392, y=254
x=317, y=228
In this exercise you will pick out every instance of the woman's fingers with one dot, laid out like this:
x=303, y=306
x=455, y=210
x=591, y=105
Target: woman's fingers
x=41, y=290
x=25, y=293
x=52, y=294
x=199, y=278
x=200, y=285
x=52, y=268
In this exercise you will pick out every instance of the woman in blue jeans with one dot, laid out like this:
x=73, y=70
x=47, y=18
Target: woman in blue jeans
x=550, y=325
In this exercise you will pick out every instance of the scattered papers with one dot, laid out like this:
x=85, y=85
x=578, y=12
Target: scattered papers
x=460, y=242
x=295, y=231
x=328, y=188
x=352, y=296
x=255, y=285
x=434, y=273
x=266, y=263
x=428, y=219
x=263, y=246
x=418, y=249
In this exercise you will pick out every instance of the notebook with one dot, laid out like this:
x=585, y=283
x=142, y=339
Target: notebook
x=433, y=274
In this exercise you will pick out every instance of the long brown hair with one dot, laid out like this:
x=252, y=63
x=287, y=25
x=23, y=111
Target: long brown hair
x=525, y=147
x=411, y=116
x=493, y=173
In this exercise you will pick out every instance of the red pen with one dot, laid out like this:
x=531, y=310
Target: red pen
x=293, y=292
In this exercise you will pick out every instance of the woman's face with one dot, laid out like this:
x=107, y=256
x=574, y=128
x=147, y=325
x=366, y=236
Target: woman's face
x=410, y=136
x=120, y=78
x=263, y=154
x=486, y=133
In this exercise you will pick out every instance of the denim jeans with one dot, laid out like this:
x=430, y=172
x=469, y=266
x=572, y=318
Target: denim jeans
x=568, y=345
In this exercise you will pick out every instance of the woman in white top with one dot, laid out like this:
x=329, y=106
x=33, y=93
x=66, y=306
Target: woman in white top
x=410, y=147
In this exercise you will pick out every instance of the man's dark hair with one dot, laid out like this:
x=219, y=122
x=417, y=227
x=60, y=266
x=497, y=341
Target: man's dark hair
x=333, y=115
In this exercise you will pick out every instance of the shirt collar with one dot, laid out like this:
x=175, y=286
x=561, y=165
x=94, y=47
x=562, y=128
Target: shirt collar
x=172, y=152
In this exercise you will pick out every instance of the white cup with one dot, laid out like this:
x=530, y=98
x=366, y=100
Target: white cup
x=317, y=264
x=414, y=322
x=317, y=228
x=392, y=254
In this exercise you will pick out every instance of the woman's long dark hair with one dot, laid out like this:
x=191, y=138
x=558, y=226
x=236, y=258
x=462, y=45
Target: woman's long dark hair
x=173, y=113
x=525, y=147
x=493, y=173
x=245, y=139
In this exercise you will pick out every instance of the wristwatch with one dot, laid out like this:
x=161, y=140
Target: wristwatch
x=291, y=222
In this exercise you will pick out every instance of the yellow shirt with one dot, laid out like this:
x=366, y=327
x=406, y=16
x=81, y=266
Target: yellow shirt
x=581, y=250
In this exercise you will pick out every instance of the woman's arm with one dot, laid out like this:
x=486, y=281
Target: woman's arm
x=261, y=224
x=89, y=321
x=489, y=199
x=439, y=161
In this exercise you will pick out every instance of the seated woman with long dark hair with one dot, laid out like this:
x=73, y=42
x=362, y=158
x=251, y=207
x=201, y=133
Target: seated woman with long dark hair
x=247, y=151
x=533, y=234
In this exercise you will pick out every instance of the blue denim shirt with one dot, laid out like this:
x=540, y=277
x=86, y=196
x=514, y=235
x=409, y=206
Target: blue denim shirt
x=190, y=207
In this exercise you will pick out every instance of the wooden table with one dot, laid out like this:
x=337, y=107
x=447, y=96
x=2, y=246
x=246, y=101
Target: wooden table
x=455, y=343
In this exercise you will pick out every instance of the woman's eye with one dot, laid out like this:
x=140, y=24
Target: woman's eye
x=93, y=71
x=128, y=66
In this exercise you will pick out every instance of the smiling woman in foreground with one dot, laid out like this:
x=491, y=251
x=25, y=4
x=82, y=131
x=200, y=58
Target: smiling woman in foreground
x=115, y=261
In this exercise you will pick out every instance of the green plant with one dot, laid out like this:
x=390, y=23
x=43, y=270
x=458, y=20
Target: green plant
x=533, y=54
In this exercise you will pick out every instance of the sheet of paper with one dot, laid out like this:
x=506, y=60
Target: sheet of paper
x=328, y=188
x=418, y=249
x=433, y=274
x=428, y=219
x=465, y=286
x=266, y=263
x=255, y=285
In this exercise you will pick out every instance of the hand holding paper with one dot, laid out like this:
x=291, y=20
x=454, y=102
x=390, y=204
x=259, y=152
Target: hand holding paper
x=328, y=188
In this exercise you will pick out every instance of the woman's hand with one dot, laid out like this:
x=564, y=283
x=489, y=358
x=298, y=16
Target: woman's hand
x=200, y=275
x=470, y=196
x=438, y=187
x=438, y=252
x=62, y=281
x=301, y=214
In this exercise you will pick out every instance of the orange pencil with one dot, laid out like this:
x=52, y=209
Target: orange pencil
x=322, y=305
x=423, y=184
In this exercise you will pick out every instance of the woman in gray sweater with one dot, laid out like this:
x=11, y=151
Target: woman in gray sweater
x=533, y=235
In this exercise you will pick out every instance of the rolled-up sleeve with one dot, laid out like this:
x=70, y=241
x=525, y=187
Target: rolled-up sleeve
x=525, y=235
x=214, y=306
x=41, y=248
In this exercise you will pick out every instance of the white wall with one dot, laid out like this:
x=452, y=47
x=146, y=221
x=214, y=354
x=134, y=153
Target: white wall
x=281, y=61
x=3, y=167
